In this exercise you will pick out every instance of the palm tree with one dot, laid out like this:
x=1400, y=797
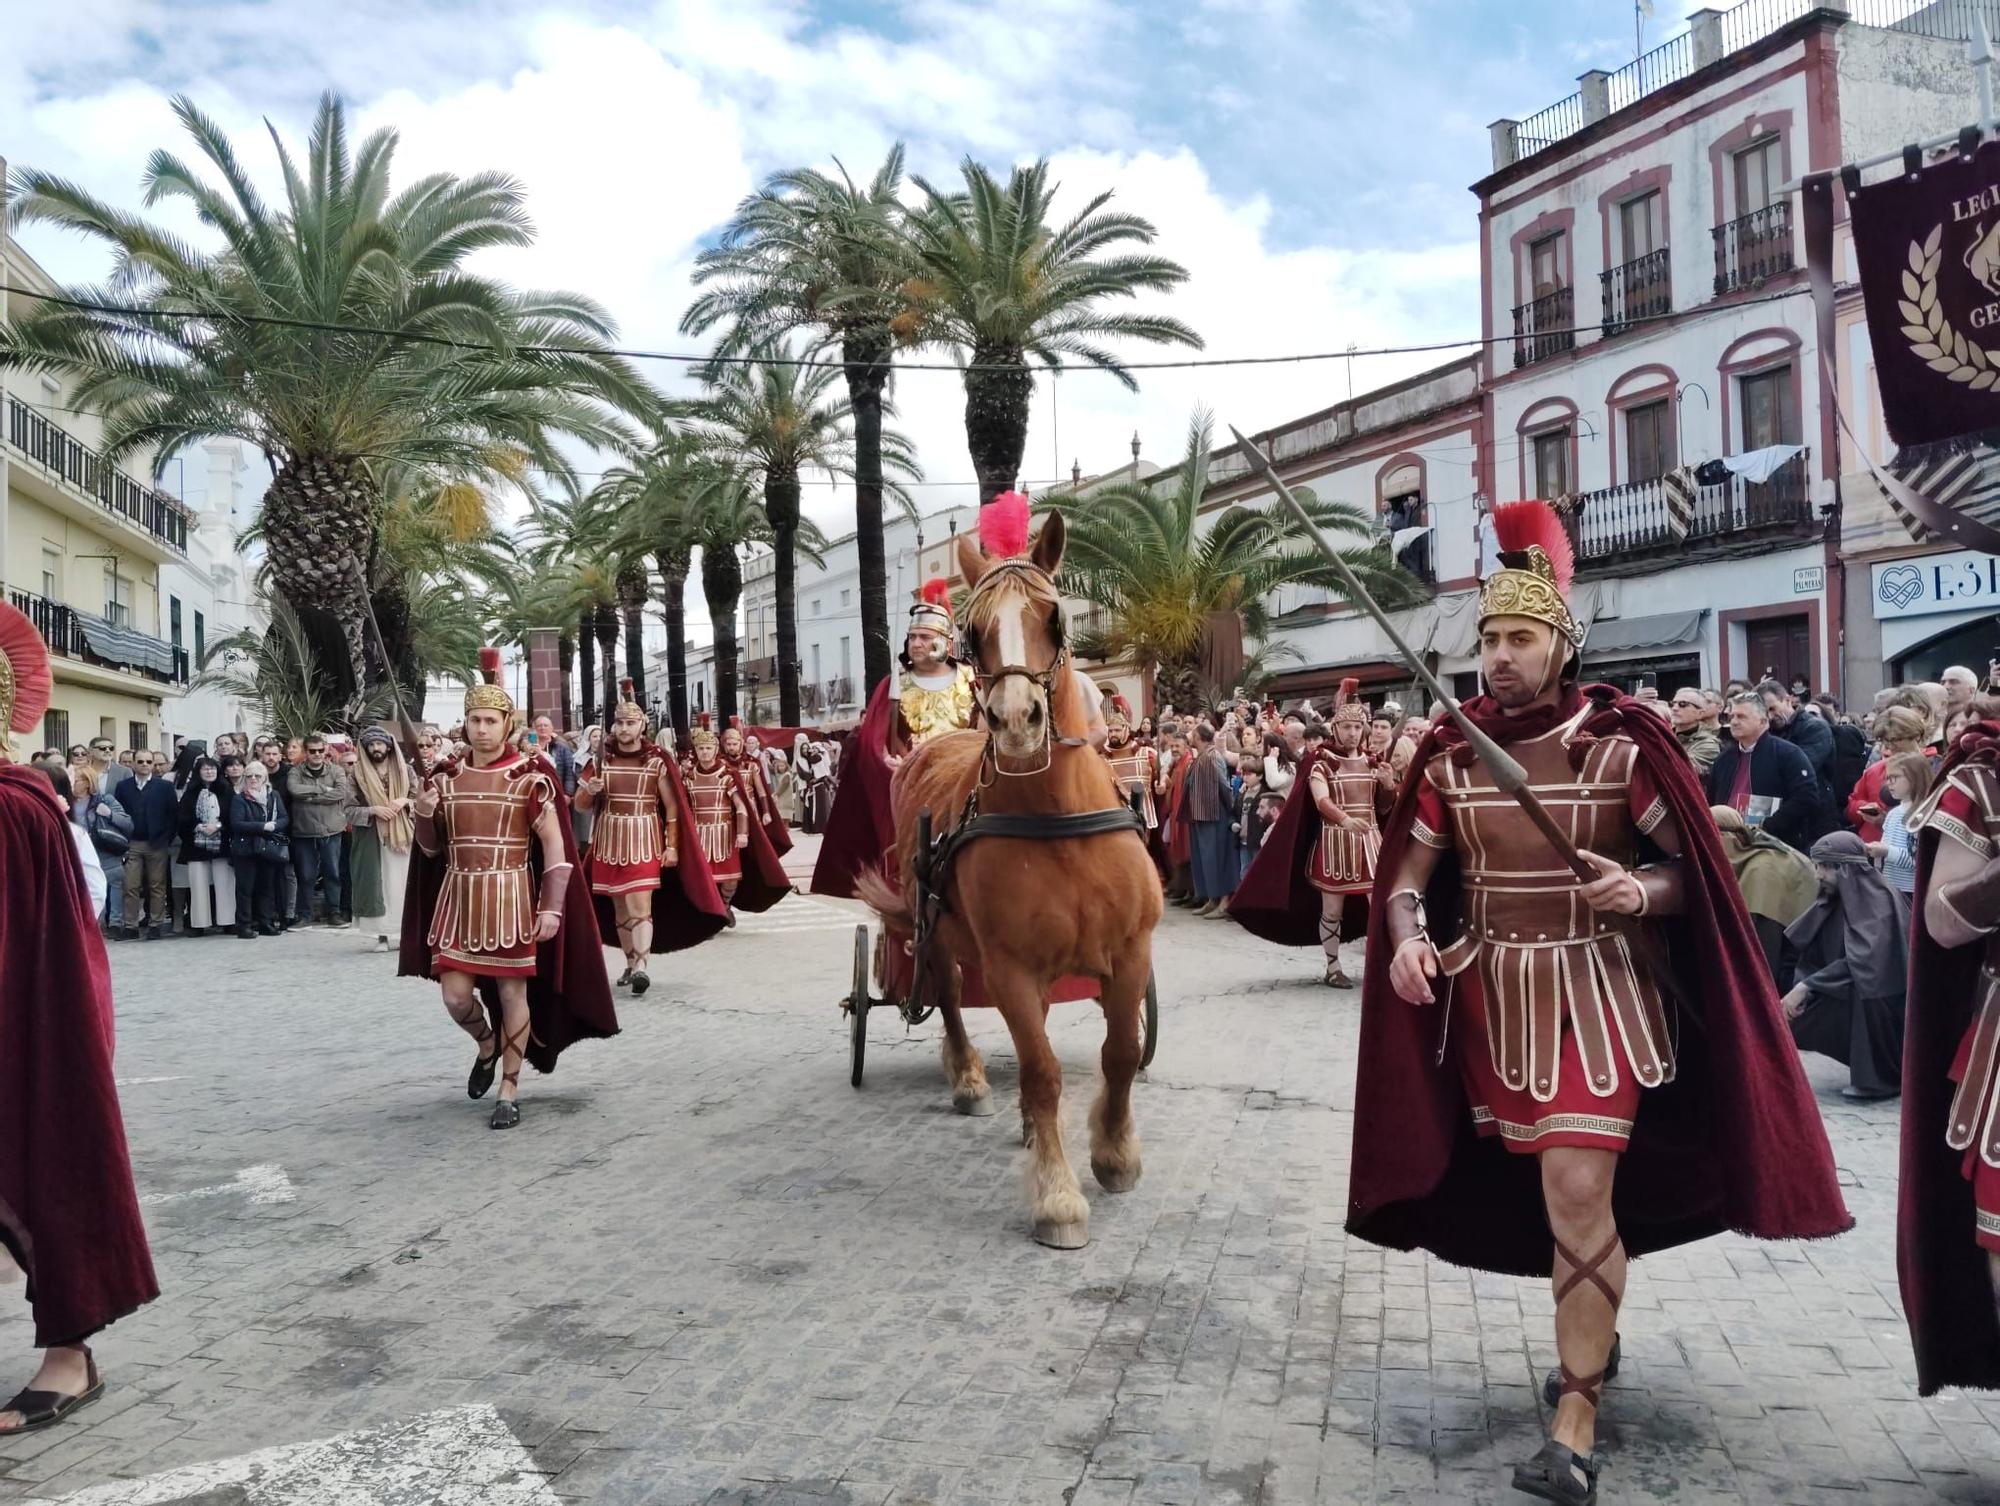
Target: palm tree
x=1139, y=551
x=725, y=515
x=817, y=252
x=633, y=589
x=270, y=672
x=773, y=419
x=338, y=332
x=1000, y=283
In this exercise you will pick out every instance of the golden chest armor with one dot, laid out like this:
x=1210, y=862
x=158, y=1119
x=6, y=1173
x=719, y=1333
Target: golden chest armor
x=927, y=712
x=628, y=812
x=487, y=901
x=713, y=798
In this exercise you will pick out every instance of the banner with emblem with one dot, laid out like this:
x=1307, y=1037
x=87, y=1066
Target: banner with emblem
x=1928, y=245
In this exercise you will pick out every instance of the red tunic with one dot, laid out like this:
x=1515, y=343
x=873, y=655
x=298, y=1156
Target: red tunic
x=485, y=918
x=716, y=802
x=1343, y=860
x=1961, y=814
x=628, y=837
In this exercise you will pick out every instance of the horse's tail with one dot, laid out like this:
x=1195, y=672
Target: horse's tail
x=873, y=888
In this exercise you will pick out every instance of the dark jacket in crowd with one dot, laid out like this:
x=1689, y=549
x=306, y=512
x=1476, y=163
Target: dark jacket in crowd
x=245, y=821
x=153, y=807
x=190, y=852
x=319, y=802
x=1812, y=737
x=1780, y=769
x=1850, y=760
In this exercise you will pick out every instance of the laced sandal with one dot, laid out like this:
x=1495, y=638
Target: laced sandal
x=1336, y=978
x=640, y=982
x=507, y=1112
x=1552, y=1383
x=1566, y=1381
x=624, y=977
x=480, y=1079
x=44, y=1409
x=1552, y=1475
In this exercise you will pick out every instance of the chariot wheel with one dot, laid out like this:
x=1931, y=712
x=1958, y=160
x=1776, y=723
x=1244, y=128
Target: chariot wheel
x=1150, y=1037
x=858, y=1003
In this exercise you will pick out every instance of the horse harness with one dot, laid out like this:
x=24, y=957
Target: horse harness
x=1008, y=569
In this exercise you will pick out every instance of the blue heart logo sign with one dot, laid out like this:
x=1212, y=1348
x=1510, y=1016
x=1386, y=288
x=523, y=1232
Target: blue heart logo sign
x=1900, y=585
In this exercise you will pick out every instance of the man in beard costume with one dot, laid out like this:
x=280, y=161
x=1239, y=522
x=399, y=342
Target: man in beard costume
x=1526, y=1099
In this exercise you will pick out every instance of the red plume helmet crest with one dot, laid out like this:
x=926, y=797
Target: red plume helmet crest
x=26, y=681
x=487, y=694
x=1537, y=563
x=1003, y=526
x=1348, y=705
x=1521, y=526
x=933, y=608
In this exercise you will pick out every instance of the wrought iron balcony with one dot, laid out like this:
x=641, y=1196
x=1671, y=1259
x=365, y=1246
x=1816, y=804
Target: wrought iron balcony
x=1753, y=248
x=1636, y=518
x=1641, y=289
x=98, y=641
x=1545, y=326
x=53, y=447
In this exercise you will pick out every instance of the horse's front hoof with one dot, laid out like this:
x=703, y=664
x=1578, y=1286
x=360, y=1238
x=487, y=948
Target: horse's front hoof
x=1062, y=1236
x=975, y=1105
x=1115, y=1178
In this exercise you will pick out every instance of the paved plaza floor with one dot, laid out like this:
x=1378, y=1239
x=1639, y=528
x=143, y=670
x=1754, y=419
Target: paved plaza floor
x=705, y=1268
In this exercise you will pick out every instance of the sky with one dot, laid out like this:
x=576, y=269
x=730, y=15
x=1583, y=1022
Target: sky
x=1307, y=160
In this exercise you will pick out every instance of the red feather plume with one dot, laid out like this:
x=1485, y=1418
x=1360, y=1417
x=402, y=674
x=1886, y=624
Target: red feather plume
x=489, y=665
x=34, y=682
x=937, y=591
x=1349, y=689
x=1003, y=526
x=1519, y=526
x=625, y=687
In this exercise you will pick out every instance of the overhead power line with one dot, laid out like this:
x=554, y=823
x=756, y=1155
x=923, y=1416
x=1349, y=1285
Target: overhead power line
x=817, y=362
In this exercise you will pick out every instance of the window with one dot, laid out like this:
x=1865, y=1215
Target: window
x=1760, y=172
x=817, y=679
x=107, y=728
x=52, y=573
x=815, y=611
x=55, y=730
x=136, y=735
x=1769, y=413
x=117, y=600
x=1552, y=477
x=846, y=658
x=846, y=597
x=174, y=618
x=1641, y=226
x=1545, y=265
x=1649, y=441
x=200, y=639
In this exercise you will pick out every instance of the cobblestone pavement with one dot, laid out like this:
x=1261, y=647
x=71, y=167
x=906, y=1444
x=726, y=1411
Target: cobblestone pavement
x=705, y=1268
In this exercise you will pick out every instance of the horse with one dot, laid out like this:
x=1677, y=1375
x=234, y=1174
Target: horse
x=1029, y=910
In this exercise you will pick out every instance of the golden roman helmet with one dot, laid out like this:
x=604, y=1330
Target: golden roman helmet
x=1536, y=563
x=1351, y=709
x=628, y=705
x=702, y=738
x=487, y=694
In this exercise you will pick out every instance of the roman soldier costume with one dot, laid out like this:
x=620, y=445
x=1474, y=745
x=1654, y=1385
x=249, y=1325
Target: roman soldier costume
x=1311, y=879
x=739, y=856
x=1655, y=1035
x=69, y=1216
x=478, y=884
x=1948, y=1194
x=1135, y=764
x=755, y=783
x=904, y=712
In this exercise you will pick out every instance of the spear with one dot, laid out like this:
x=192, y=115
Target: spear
x=405, y=728
x=1507, y=773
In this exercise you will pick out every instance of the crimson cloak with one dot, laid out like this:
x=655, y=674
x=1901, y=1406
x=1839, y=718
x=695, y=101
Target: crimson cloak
x=69, y=1214
x=687, y=907
x=1947, y=1292
x=1735, y=1141
x=861, y=826
x=1276, y=899
x=569, y=996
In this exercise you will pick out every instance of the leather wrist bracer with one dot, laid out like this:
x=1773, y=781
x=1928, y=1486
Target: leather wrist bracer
x=1975, y=899
x=1660, y=888
x=1405, y=918
x=554, y=882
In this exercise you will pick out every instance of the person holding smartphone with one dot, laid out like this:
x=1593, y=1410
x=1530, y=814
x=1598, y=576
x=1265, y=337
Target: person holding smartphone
x=1898, y=730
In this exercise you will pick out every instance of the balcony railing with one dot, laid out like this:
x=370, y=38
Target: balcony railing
x=47, y=444
x=69, y=635
x=1635, y=518
x=1756, y=247
x=1545, y=326
x=1641, y=289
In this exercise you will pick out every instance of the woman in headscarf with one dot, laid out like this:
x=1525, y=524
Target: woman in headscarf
x=204, y=848
x=382, y=833
x=1779, y=882
x=1853, y=967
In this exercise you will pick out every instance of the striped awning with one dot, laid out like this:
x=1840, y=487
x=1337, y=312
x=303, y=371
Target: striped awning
x=1965, y=479
x=125, y=647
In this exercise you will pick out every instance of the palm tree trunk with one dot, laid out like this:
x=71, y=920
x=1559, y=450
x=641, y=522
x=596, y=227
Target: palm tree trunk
x=866, y=357
x=722, y=584
x=586, y=656
x=997, y=391
x=607, y=654
x=781, y=507
x=566, y=652
x=673, y=575
x=635, y=651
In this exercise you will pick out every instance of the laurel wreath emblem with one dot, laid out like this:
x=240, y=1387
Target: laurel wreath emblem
x=1932, y=338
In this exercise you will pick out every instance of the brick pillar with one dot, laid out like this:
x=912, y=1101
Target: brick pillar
x=545, y=695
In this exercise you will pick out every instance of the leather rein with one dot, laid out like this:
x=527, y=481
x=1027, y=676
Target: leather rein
x=1043, y=679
